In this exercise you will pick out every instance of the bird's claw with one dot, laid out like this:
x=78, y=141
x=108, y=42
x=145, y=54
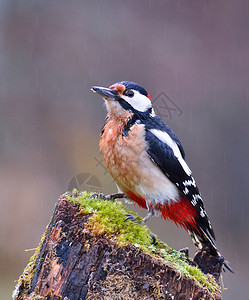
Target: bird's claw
x=154, y=242
x=130, y=217
x=185, y=251
x=99, y=196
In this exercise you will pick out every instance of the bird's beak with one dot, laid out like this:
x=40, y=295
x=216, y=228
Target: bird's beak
x=105, y=92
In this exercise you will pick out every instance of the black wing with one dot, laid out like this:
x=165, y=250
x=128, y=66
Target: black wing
x=163, y=156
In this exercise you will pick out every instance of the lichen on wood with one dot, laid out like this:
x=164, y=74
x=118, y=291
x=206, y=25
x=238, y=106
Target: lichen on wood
x=88, y=251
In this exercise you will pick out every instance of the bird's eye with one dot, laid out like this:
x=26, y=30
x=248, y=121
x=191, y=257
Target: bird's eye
x=130, y=93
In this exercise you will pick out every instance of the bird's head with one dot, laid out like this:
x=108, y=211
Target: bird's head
x=126, y=96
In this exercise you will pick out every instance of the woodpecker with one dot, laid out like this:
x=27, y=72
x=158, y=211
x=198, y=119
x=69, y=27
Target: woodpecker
x=147, y=161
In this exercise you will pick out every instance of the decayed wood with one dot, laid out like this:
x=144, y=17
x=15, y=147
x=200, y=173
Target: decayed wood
x=209, y=263
x=74, y=263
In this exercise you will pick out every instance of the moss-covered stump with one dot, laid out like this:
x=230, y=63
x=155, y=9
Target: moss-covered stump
x=89, y=252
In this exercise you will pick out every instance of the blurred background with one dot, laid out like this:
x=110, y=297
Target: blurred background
x=191, y=56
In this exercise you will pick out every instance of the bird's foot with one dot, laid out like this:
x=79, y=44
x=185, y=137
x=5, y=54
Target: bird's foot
x=98, y=196
x=130, y=217
x=148, y=216
x=107, y=197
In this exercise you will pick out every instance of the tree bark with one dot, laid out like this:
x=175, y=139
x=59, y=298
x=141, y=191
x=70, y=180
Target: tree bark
x=73, y=262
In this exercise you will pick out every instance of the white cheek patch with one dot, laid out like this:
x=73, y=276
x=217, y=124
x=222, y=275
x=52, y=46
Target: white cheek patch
x=164, y=137
x=138, y=101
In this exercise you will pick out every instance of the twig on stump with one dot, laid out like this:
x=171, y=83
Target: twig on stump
x=77, y=260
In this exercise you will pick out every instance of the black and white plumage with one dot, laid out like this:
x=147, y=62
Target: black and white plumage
x=171, y=188
x=167, y=152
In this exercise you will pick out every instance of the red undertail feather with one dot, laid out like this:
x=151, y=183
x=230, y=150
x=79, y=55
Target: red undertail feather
x=182, y=213
x=138, y=199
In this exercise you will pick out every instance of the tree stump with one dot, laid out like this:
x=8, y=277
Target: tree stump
x=79, y=257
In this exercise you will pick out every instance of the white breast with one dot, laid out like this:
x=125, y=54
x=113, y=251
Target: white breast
x=154, y=185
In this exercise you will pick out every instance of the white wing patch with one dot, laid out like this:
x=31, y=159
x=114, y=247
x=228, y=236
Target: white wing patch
x=164, y=137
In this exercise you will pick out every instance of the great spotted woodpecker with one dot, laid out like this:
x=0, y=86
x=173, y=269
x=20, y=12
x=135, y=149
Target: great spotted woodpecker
x=147, y=161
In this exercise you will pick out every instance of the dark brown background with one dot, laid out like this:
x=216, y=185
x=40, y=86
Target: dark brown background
x=51, y=52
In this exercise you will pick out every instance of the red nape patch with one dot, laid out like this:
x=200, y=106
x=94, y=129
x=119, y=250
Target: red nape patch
x=182, y=213
x=138, y=199
x=148, y=95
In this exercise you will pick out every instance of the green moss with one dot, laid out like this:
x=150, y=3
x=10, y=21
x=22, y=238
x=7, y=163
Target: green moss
x=26, y=278
x=108, y=218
